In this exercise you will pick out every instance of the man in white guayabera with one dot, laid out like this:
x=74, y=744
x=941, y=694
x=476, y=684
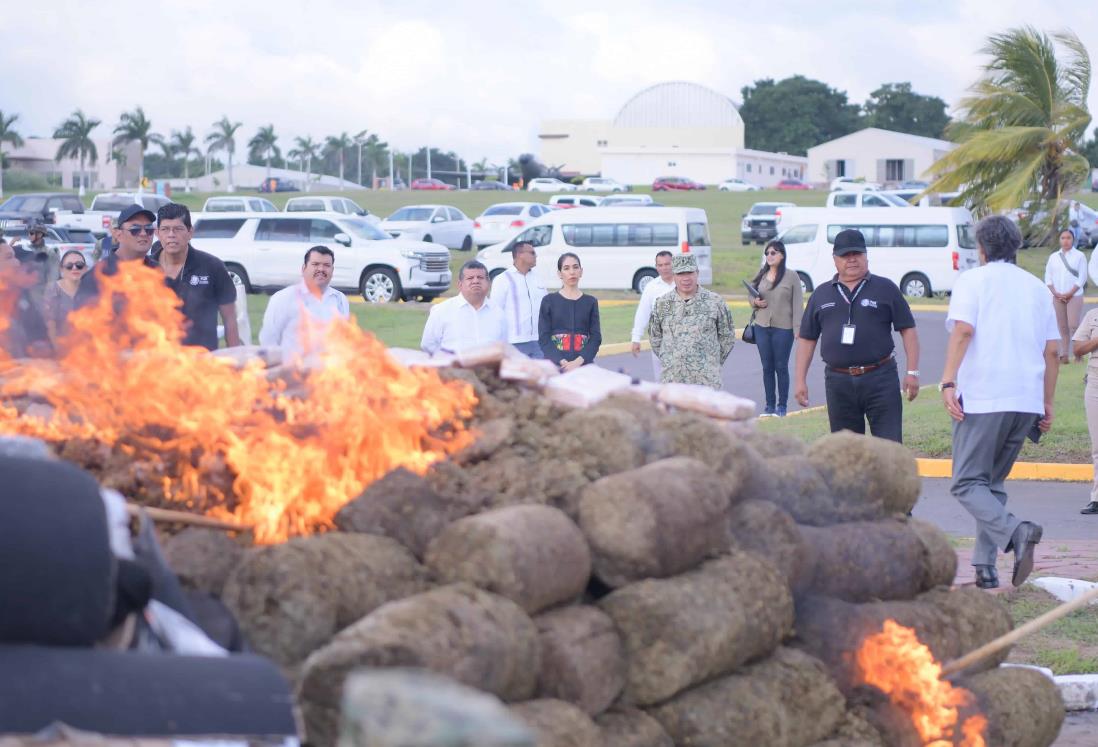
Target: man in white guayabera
x=468, y=319
x=518, y=293
x=655, y=288
x=298, y=316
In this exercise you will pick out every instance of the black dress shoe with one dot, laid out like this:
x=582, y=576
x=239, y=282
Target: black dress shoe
x=987, y=577
x=1023, y=542
x=1090, y=508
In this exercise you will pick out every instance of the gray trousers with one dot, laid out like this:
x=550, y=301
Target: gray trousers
x=985, y=446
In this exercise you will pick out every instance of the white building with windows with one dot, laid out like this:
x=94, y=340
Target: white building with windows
x=669, y=129
x=876, y=155
x=113, y=167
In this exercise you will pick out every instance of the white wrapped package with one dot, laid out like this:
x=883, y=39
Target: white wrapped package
x=527, y=370
x=707, y=401
x=241, y=355
x=410, y=357
x=585, y=386
x=484, y=355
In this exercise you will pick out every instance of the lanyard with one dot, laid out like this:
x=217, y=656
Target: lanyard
x=850, y=301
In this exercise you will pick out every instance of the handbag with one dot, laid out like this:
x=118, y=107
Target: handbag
x=748, y=335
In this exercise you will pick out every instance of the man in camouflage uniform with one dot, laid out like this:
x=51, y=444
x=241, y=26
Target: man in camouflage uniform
x=691, y=329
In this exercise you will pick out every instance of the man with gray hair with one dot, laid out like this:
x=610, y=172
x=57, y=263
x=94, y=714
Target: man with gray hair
x=998, y=386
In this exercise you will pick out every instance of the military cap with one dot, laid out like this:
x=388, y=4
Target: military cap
x=684, y=263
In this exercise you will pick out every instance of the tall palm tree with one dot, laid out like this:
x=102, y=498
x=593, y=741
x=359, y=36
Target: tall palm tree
x=264, y=145
x=135, y=127
x=184, y=146
x=7, y=135
x=338, y=145
x=1021, y=129
x=168, y=148
x=377, y=155
x=223, y=137
x=307, y=150
x=75, y=134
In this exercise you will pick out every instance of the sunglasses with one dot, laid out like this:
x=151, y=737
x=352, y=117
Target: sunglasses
x=75, y=266
x=149, y=230
x=773, y=254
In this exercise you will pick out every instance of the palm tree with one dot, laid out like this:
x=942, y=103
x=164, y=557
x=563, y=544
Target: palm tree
x=168, y=148
x=263, y=145
x=75, y=132
x=307, y=150
x=7, y=135
x=135, y=127
x=184, y=146
x=1021, y=130
x=377, y=155
x=223, y=137
x=338, y=145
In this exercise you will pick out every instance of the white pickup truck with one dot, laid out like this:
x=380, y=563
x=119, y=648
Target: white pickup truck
x=105, y=208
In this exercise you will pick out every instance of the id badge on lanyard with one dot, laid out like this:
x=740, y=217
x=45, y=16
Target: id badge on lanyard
x=849, y=328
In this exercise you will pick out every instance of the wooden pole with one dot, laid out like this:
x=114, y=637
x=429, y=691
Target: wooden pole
x=168, y=516
x=958, y=665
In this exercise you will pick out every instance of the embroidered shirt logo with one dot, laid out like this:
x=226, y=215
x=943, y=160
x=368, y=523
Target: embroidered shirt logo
x=868, y=302
x=200, y=279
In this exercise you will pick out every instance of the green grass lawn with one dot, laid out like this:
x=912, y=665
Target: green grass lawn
x=1067, y=646
x=928, y=431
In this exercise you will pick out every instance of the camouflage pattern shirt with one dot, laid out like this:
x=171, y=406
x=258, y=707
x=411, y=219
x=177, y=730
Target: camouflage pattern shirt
x=692, y=338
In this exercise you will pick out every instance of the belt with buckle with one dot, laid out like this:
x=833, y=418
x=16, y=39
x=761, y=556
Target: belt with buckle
x=859, y=370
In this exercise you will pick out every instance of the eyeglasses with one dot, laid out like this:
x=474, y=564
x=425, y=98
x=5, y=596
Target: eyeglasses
x=75, y=266
x=173, y=229
x=149, y=230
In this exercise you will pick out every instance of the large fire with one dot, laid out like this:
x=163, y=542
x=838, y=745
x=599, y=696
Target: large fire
x=294, y=454
x=899, y=665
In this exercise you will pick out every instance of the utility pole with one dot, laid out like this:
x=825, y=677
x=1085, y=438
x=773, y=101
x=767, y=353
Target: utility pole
x=428, y=161
x=392, y=174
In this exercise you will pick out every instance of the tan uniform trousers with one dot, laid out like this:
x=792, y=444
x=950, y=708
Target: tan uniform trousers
x=1090, y=400
x=1067, y=319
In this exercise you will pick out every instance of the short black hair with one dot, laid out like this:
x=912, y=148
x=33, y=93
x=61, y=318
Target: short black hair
x=472, y=264
x=174, y=211
x=664, y=253
x=524, y=242
x=319, y=249
x=566, y=255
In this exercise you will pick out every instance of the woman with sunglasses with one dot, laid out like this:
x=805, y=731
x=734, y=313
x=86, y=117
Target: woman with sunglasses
x=60, y=295
x=569, y=331
x=778, y=312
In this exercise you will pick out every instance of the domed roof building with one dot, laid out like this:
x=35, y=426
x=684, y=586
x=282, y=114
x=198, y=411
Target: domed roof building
x=675, y=128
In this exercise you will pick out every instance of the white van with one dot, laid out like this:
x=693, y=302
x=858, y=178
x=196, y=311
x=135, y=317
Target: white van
x=848, y=199
x=617, y=246
x=922, y=250
x=265, y=251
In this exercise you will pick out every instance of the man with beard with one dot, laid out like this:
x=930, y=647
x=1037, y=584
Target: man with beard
x=297, y=315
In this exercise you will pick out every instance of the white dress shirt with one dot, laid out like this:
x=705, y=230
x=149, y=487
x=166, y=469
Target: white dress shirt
x=519, y=297
x=454, y=325
x=295, y=319
x=1058, y=276
x=656, y=287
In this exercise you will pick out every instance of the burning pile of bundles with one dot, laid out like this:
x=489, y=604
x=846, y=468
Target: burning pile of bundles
x=640, y=573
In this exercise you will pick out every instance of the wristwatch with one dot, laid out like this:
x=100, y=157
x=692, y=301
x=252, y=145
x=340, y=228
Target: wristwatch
x=914, y=373
x=946, y=385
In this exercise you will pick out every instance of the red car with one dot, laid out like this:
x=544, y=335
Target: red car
x=431, y=184
x=665, y=183
x=792, y=184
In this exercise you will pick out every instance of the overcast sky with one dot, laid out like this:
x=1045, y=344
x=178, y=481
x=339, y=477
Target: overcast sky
x=475, y=76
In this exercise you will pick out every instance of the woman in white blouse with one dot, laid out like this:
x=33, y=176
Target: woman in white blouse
x=1066, y=276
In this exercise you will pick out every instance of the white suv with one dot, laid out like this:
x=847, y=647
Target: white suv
x=238, y=205
x=850, y=184
x=265, y=251
x=318, y=204
x=548, y=184
x=602, y=184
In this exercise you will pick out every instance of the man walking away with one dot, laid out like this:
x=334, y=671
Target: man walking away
x=518, y=293
x=998, y=384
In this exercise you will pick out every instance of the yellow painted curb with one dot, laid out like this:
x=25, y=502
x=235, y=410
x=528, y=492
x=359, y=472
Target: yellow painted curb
x=1021, y=471
x=617, y=348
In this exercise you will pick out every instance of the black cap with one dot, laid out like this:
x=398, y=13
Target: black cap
x=36, y=227
x=849, y=242
x=25, y=256
x=132, y=211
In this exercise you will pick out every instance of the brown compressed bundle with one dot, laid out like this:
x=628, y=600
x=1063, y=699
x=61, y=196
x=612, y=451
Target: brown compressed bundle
x=787, y=700
x=202, y=559
x=854, y=730
x=534, y=555
x=684, y=630
x=770, y=532
x=779, y=445
x=939, y=557
x=867, y=471
x=402, y=505
x=631, y=727
x=480, y=639
x=292, y=598
x=604, y=440
x=582, y=660
x=656, y=521
x=558, y=724
x=691, y=435
x=976, y=617
x=1023, y=706
x=797, y=487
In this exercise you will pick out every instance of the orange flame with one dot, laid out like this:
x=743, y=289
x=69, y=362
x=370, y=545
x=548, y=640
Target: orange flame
x=124, y=379
x=899, y=665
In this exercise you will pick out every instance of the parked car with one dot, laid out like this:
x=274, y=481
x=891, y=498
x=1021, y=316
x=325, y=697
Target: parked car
x=760, y=223
x=39, y=206
x=64, y=239
x=432, y=184
x=238, y=204
x=275, y=184
x=263, y=251
x=792, y=184
x=618, y=245
x=501, y=222
x=853, y=184
x=626, y=200
x=105, y=208
x=440, y=224
x=324, y=204
x=575, y=201
x=602, y=184
x=487, y=185
x=915, y=184
x=848, y=199
x=737, y=185
x=665, y=183
x=549, y=184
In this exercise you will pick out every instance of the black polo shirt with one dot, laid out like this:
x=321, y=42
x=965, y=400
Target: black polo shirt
x=878, y=309
x=88, y=290
x=203, y=285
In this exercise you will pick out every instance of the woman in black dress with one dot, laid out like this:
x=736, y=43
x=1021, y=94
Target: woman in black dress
x=568, y=327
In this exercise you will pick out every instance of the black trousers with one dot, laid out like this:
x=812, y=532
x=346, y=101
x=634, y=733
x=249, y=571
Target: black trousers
x=874, y=396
